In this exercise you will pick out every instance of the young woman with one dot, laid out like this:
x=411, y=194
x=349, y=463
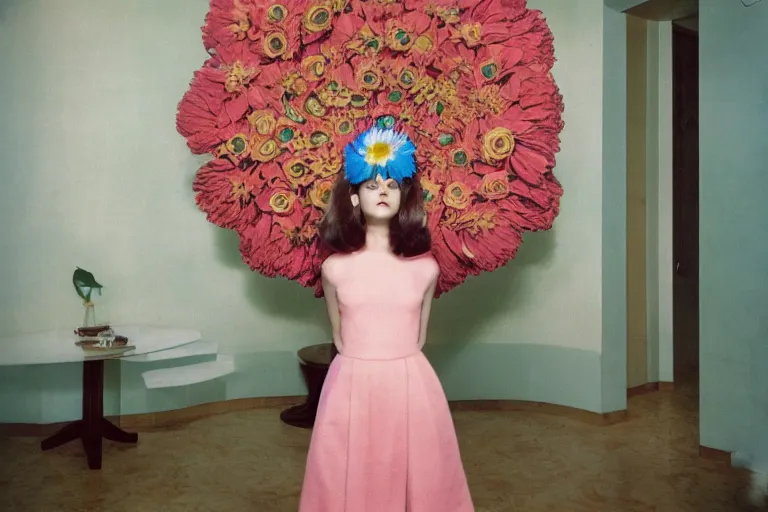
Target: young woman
x=383, y=440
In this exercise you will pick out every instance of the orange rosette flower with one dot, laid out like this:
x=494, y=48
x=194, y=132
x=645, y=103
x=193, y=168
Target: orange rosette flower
x=317, y=20
x=264, y=149
x=320, y=193
x=457, y=195
x=495, y=186
x=274, y=246
x=297, y=173
x=278, y=200
x=513, y=139
x=274, y=29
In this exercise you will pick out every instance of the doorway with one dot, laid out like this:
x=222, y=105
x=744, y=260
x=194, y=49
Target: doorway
x=685, y=200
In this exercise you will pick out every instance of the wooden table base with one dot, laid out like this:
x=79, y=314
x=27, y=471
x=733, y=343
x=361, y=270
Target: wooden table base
x=93, y=427
x=314, y=362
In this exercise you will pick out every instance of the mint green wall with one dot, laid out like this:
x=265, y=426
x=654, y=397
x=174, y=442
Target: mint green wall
x=733, y=225
x=96, y=176
x=614, y=190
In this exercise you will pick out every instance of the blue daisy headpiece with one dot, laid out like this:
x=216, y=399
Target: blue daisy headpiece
x=379, y=152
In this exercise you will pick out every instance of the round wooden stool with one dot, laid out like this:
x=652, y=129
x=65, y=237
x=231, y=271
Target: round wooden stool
x=314, y=362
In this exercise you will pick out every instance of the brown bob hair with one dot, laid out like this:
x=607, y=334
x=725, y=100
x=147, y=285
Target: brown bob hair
x=342, y=229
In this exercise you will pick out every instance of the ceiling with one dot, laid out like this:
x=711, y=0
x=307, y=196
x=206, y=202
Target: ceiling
x=665, y=10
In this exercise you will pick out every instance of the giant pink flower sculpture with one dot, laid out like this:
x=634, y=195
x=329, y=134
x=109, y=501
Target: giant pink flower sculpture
x=289, y=83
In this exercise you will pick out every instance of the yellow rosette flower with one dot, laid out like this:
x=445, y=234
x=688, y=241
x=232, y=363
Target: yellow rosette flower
x=495, y=185
x=318, y=17
x=275, y=44
x=457, y=195
x=263, y=121
x=368, y=76
x=471, y=33
x=277, y=13
x=298, y=173
x=399, y=39
x=498, y=144
x=282, y=201
x=313, y=68
x=320, y=193
x=264, y=150
x=237, y=145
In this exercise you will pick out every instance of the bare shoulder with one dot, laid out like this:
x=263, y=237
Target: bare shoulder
x=330, y=262
x=433, y=266
x=331, y=267
x=428, y=265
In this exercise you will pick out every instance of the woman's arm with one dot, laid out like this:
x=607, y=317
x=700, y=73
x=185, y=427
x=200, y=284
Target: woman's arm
x=334, y=316
x=426, y=307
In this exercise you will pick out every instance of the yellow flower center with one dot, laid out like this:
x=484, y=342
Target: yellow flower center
x=378, y=152
x=498, y=144
x=281, y=202
x=471, y=33
x=424, y=43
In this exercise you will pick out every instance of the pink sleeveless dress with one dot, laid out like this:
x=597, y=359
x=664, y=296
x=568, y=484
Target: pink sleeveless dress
x=384, y=439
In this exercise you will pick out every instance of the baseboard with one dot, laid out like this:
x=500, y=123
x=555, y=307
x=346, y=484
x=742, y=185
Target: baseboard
x=177, y=417
x=592, y=418
x=705, y=452
x=666, y=386
x=650, y=387
x=172, y=419
x=642, y=389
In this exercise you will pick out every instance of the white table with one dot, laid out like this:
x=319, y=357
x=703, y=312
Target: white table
x=54, y=347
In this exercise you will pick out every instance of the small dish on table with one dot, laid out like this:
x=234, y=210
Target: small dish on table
x=102, y=340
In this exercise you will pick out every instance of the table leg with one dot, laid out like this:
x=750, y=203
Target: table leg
x=93, y=411
x=94, y=426
x=114, y=433
x=69, y=433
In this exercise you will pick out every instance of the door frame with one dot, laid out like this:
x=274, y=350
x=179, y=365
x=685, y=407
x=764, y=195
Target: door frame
x=659, y=260
x=659, y=183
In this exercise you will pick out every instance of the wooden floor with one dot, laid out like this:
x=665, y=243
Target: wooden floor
x=515, y=461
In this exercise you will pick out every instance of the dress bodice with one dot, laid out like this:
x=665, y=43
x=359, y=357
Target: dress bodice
x=380, y=298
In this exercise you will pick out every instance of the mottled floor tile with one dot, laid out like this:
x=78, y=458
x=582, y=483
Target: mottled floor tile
x=515, y=461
